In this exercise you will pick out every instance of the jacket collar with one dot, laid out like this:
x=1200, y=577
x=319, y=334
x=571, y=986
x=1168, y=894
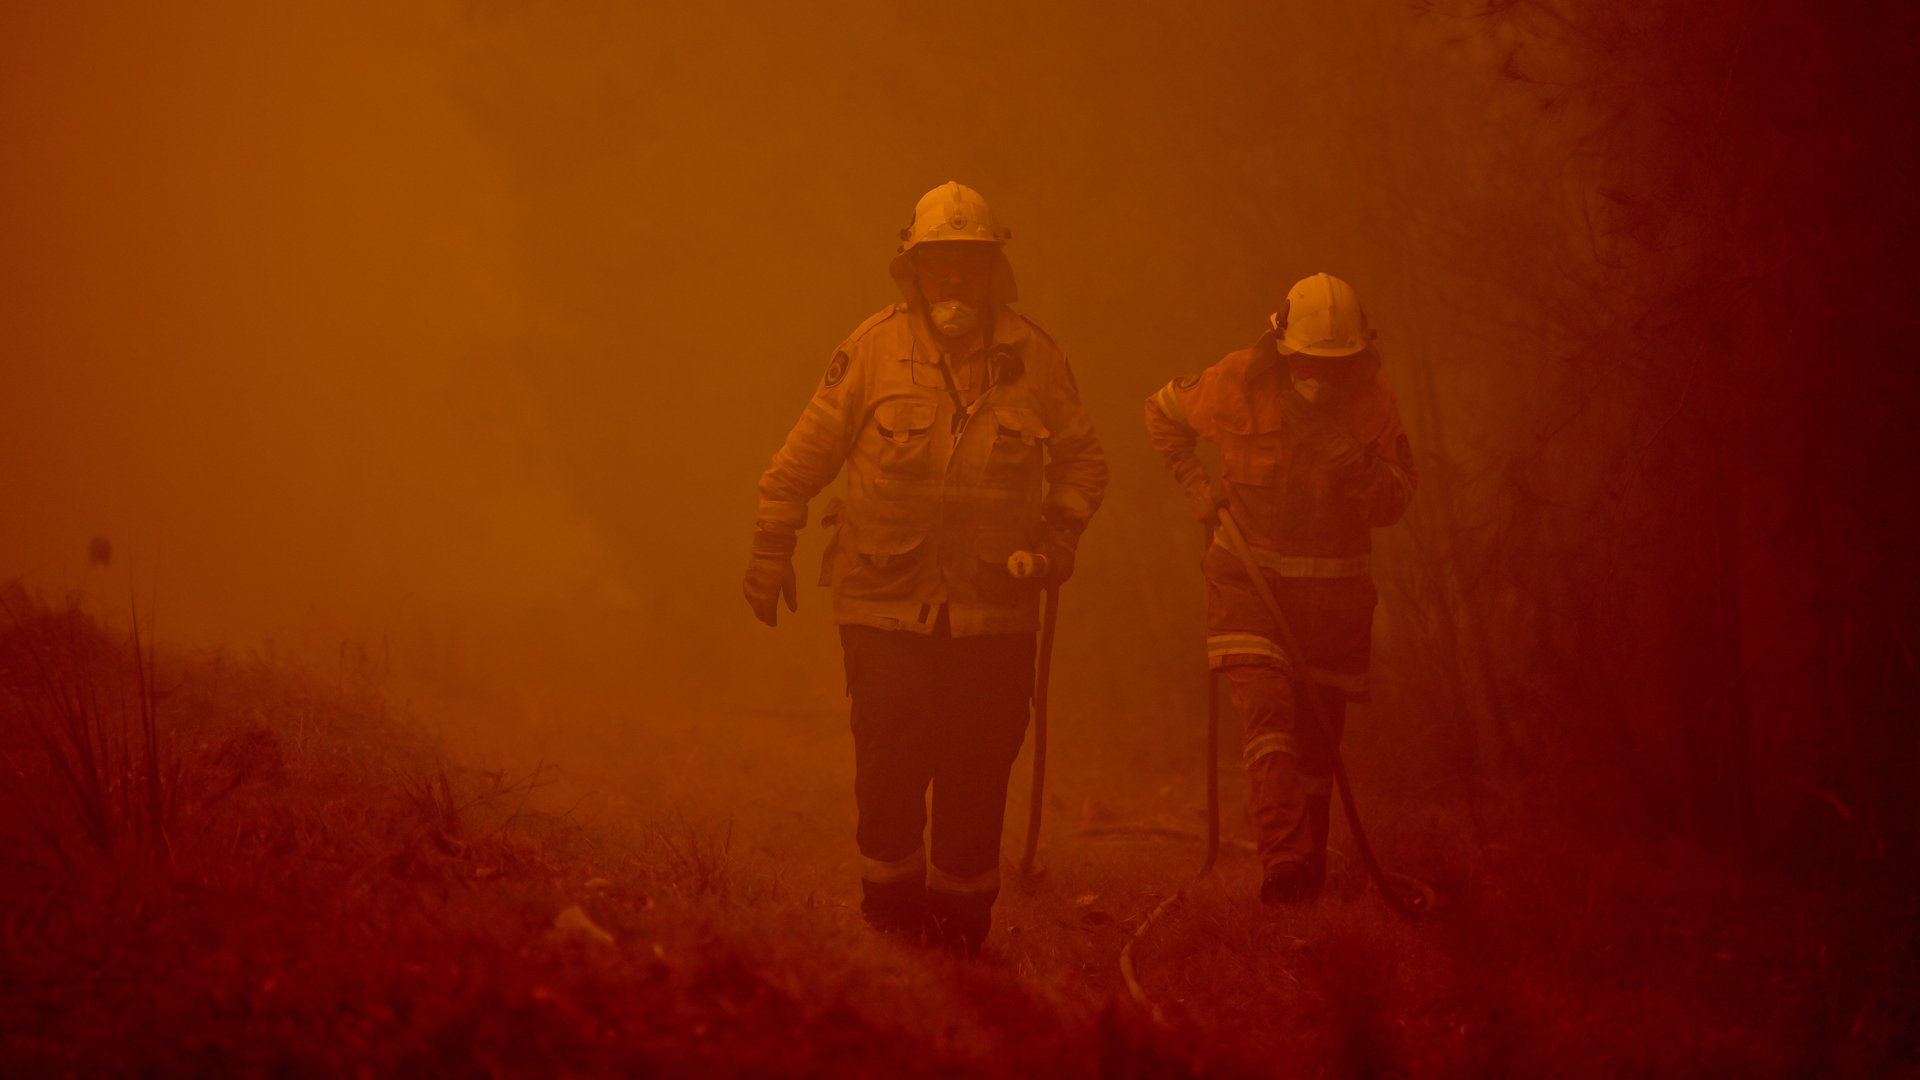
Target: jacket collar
x=1265, y=356
x=1008, y=337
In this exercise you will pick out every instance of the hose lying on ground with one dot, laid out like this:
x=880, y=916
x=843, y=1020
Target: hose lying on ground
x=1213, y=850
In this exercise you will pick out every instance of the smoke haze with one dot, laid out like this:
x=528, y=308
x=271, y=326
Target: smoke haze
x=462, y=332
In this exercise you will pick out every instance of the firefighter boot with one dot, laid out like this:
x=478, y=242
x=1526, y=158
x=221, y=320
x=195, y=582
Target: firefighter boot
x=1298, y=883
x=959, y=922
x=895, y=908
x=1288, y=883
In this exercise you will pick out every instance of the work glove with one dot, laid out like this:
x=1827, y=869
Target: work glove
x=1207, y=500
x=1202, y=494
x=1057, y=542
x=770, y=575
x=1322, y=435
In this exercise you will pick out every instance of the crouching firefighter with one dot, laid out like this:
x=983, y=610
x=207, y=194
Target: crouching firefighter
x=1314, y=457
x=949, y=410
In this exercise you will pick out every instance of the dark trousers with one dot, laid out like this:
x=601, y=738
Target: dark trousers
x=947, y=713
x=1289, y=760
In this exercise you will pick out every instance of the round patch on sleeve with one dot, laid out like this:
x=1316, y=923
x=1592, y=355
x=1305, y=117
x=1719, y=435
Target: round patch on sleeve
x=1186, y=382
x=836, y=370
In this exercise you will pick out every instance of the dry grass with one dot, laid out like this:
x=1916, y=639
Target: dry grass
x=339, y=897
x=86, y=754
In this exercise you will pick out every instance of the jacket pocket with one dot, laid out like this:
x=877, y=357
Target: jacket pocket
x=1018, y=439
x=1255, y=485
x=906, y=444
x=995, y=584
x=879, y=563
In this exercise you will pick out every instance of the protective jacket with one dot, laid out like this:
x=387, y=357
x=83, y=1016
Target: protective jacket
x=938, y=495
x=1306, y=514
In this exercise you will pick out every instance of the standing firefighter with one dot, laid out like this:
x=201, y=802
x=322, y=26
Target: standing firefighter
x=1314, y=457
x=948, y=409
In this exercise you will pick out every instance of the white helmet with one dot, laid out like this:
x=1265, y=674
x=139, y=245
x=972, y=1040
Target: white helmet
x=954, y=212
x=1321, y=317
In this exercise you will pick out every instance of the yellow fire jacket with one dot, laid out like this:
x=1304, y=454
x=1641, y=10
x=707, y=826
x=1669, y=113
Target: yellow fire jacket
x=937, y=497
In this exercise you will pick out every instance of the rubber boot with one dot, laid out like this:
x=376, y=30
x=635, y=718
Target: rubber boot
x=1287, y=883
x=959, y=921
x=898, y=909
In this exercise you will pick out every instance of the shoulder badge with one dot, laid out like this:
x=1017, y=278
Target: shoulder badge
x=836, y=370
x=1186, y=382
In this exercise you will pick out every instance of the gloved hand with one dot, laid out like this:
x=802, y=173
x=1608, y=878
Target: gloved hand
x=1207, y=500
x=770, y=575
x=1059, y=562
x=1322, y=435
x=1056, y=541
x=1202, y=494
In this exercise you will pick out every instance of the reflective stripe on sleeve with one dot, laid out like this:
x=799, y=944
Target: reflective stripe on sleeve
x=825, y=414
x=888, y=872
x=1169, y=401
x=939, y=880
x=1271, y=743
x=784, y=513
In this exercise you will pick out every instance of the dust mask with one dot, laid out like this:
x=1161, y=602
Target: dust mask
x=1311, y=389
x=954, y=318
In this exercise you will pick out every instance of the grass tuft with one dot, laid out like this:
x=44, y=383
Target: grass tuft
x=83, y=751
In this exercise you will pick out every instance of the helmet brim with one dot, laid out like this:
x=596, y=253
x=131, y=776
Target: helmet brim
x=1002, y=288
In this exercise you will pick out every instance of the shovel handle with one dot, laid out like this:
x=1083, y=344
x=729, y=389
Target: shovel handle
x=1043, y=666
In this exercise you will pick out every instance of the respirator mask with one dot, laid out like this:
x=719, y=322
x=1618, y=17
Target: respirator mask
x=1311, y=389
x=953, y=318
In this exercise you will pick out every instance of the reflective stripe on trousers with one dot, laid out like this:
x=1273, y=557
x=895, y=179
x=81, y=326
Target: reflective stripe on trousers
x=884, y=872
x=939, y=880
x=946, y=713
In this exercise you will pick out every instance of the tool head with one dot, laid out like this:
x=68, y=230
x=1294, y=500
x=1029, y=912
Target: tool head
x=1028, y=565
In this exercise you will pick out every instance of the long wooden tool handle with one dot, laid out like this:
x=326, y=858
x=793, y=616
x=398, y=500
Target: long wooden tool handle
x=1036, y=799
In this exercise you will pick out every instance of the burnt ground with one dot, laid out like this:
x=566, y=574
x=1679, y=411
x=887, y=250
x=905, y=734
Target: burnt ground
x=342, y=884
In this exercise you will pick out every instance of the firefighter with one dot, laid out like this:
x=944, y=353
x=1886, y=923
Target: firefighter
x=1313, y=458
x=949, y=409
